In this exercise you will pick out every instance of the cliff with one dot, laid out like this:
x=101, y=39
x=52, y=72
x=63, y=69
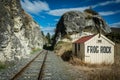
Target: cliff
x=19, y=34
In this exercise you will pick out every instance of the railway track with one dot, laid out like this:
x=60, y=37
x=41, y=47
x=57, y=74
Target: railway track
x=33, y=70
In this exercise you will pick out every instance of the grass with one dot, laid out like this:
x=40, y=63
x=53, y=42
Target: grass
x=6, y=64
x=62, y=47
x=67, y=37
x=104, y=75
x=2, y=65
x=99, y=71
x=34, y=50
x=109, y=73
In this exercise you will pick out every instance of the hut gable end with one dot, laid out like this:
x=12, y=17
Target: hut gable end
x=96, y=37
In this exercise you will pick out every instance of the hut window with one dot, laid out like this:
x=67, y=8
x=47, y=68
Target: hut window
x=79, y=47
x=99, y=41
x=75, y=48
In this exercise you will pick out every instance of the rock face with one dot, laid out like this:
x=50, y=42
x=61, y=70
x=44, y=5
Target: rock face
x=19, y=34
x=78, y=22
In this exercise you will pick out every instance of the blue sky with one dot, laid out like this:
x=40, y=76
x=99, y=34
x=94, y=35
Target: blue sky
x=47, y=12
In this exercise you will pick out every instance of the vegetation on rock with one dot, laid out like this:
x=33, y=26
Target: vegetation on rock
x=115, y=37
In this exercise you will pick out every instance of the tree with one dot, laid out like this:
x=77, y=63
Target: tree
x=90, y=10
x=42, y=33
x=48, y=38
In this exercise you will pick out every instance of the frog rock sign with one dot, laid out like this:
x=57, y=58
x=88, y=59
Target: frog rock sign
x=98, y=49
x=94, y=49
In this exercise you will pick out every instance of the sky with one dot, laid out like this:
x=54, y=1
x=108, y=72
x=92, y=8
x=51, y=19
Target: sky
x=48, y=12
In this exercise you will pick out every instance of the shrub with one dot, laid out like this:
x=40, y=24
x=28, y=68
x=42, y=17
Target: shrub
x=115, y=37
x=66, y=56
x=2, y=65
x=67, y=36
x=34, y=50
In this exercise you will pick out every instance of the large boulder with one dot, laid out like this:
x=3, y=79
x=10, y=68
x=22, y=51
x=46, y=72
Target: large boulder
x=77, y=22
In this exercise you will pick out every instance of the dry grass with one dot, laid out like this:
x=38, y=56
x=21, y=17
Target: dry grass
x=62, y=47
x=98, y=71
x=75, y=61
x=110, y=72
x=104, y=75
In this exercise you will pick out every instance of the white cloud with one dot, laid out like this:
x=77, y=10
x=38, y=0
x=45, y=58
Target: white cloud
x=103, y=4
x=48, y=29
x=115, y=24
x=42, y=17
x=106, y=3
x=117, y=1
x=59, y=12
x=35, y=6
x=107, y=13
x=56, y=20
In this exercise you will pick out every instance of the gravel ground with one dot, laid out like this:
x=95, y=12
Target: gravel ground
x=6, y=74
x=57, y=69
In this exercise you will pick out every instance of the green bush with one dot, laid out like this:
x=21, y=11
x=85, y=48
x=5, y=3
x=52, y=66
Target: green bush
x=2, y=65
x=115, y=37
x=34, y=50
x=60, y=42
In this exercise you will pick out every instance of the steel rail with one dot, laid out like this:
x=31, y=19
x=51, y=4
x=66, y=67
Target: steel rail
x=42, y=67
x=24, y=68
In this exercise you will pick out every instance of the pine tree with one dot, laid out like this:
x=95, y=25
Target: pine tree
x=42, y=33
x=48, y=38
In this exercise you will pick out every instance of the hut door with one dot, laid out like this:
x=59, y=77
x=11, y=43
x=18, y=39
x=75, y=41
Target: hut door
x=75, y=49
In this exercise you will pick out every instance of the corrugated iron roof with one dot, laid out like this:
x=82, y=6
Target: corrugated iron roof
x=84, y=39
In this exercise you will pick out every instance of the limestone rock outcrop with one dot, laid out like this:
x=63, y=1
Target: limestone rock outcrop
x=19, y=34
x=77, y=22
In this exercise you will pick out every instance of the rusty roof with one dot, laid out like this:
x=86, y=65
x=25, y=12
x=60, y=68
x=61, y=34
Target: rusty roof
x=84, y=39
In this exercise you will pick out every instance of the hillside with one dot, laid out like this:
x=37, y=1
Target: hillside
x=115, y=30
x=114, y=35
